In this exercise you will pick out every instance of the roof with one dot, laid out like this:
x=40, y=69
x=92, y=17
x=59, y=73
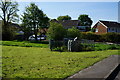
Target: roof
x=15, y=25
x=12, y=24
x=68, y=23
x=110, y=24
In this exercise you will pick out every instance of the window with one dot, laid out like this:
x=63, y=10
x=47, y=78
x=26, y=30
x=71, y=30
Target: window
x=96, y=30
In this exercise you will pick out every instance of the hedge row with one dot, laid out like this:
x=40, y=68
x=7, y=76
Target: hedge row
x=108, y=37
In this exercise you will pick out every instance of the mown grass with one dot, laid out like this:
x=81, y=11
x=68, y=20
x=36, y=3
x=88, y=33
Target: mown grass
x=102, y=46
x=24, y=44
x=33, y=62
x=45, y=44
x=0, y=60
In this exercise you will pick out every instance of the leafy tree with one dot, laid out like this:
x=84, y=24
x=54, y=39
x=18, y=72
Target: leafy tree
x=26, y=30
x=85, y=20
x=56, y=31
x=66, y=17
x=53, y=20
x=33, y=19
x=73, y=32
x=9, y=14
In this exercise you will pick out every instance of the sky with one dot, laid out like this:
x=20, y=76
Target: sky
x=96, y=10
x=68, y=0
x=119, y=12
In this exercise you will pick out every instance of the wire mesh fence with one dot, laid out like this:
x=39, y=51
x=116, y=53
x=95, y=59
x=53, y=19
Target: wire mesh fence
x=72, y=44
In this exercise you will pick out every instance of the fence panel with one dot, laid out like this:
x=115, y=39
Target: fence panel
x=72, y=45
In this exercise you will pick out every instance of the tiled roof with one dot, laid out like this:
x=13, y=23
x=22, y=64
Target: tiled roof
x=68, y=23
x=110, y=23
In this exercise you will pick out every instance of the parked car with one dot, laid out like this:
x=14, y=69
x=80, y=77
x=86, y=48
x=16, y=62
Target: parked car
x=39, y=37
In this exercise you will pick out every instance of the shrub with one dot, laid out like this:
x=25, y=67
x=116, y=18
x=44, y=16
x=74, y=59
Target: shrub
x=110, y=37
x=73, y=32
x=57, y=49
x=90, y=36
x=8, y=33
x=61, y=49
x=87, y=47
x=56, y=31
x=112, y=47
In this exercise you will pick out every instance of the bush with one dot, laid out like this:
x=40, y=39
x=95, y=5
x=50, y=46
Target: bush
x=90, y=36
x=55, y=44
x=61, y=49
x=8, y=33
x=87, y=47
x=57, y=49
x=73, y=32
x=56, y=31
x=112, y=47
x=110, y=37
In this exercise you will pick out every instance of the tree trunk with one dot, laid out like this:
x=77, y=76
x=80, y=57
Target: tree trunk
x=35, y=33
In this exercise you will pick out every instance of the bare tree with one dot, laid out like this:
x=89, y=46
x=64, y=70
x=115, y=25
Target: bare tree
x=8, y=14
x=8, y=11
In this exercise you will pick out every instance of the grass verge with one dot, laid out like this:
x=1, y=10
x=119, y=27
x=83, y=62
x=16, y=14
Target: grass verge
x=33, y=62
x=24, y=44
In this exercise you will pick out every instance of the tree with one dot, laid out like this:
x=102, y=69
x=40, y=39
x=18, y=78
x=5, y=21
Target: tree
x=26, y=30
x=66, y=17
x=8, y=14
x=33, y=19
x=56, y=31
x=73, y=32
x=85, y=20
x=9, y=11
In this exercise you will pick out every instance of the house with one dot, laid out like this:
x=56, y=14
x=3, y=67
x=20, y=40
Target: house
x=13, y=25
x=43, y=31
x=106, y=26
x=72, y=23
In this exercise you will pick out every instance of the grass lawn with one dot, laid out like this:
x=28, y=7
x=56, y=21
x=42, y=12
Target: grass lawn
x=35, y=62
x=44, y=44
x=23, y=44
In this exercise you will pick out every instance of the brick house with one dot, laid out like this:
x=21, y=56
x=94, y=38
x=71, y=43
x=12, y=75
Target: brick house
x=72, y=23
x=106, y=26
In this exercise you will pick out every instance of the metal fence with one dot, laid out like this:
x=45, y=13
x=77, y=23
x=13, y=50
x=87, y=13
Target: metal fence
x=72, y=44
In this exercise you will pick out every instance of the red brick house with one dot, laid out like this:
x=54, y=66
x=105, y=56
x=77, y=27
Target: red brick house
x=106, y=26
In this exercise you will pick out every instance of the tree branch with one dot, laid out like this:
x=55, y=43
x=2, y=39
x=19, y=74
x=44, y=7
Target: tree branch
x=1, y=17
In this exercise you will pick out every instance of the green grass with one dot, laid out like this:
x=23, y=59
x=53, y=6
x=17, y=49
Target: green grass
x=44, y=44
x=101, y=46
x=23, y=44
x=34, y=62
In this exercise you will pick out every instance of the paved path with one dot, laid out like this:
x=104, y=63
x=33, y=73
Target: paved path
x=98, y=71
x=118, y=76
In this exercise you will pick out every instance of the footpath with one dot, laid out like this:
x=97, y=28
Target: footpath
x=107, y=69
